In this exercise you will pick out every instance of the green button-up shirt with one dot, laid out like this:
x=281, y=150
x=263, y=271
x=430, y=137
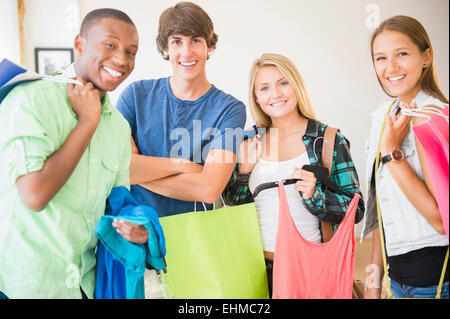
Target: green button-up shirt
x=50, y=254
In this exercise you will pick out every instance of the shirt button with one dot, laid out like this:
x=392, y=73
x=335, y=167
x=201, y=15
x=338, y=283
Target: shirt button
x=116, y=166
x=92, y=191
x=93, y=160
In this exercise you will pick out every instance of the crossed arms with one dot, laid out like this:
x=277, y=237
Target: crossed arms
x=182, y=179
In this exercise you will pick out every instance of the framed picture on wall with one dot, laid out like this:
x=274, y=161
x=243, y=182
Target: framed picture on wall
x=52, y=59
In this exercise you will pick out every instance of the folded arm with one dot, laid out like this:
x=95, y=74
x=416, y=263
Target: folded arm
x=37, y=189
x=204, y=186
x=419, y=192
x=149, y=168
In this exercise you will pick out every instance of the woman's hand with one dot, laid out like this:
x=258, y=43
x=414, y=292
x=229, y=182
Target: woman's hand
x=133, y=233
x=249, y=153
x=307, y=183
x=397, y=127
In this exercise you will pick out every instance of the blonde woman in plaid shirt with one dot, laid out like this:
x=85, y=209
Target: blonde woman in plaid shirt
x=288, y=137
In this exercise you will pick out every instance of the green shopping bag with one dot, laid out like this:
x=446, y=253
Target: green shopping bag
x=215, y=254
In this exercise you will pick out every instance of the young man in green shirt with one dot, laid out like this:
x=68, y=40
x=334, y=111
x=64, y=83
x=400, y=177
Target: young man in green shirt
x=62, y=150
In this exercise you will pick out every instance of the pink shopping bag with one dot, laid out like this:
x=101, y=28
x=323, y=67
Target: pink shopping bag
x=305, y=270
x=433, y=136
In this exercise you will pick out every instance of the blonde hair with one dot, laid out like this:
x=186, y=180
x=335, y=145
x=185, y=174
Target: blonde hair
x=428, y=81
x=290, y=72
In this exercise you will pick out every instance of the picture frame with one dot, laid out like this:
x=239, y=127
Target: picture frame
x=48, y=60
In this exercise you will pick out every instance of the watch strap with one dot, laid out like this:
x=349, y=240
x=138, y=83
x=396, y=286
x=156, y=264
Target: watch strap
x=387, y=158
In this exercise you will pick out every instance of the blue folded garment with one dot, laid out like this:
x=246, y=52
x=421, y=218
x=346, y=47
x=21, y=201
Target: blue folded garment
x=120, y=263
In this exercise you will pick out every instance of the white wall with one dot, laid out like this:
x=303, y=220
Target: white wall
x=49, y=23
x=9, y=31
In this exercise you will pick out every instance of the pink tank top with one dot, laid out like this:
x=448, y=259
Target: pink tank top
x=305, y=270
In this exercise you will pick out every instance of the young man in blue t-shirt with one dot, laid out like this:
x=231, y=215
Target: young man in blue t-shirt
x=185, y=131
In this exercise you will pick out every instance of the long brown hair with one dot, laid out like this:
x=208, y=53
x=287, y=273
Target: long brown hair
x=428, y=81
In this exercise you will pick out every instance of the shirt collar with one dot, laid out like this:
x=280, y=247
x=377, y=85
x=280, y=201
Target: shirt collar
x=420, y=99
x=312, y=129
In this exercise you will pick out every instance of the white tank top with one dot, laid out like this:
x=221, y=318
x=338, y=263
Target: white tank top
x=267, y=203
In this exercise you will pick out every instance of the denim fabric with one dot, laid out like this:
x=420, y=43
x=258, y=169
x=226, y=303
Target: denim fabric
x=404, y=291
x=3, y=296
x=404, y=226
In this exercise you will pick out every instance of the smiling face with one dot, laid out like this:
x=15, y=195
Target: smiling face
x=399, y=64
x=106, y=54
x=274, y=94
x=188, y=56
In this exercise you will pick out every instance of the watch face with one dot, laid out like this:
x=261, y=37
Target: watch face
x=397, y=155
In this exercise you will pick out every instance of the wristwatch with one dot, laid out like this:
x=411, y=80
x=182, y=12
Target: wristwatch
x=396, y=155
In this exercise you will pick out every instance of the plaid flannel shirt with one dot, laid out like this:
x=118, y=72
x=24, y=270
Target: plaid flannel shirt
x=325, y=204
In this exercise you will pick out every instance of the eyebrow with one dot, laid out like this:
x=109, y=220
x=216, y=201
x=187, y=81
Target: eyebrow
x=118, y=38
x=178, y=37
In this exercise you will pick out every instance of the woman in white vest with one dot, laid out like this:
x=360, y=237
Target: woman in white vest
x=414, y=234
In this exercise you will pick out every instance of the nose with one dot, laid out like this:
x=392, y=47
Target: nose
x=120, y=58
x=276, y=93
x=392, y=65
x=186, y=49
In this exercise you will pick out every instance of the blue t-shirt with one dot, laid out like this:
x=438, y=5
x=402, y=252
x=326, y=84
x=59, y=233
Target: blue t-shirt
x=165, y=126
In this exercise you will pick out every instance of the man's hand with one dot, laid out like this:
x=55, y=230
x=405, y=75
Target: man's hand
x=133, y=233
x=85, y=101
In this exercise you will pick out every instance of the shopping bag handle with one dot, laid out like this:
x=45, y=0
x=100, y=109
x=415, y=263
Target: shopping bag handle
x=204, y=206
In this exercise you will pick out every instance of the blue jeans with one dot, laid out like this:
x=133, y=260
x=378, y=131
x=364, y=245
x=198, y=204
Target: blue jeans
x=2, y=295
x=404, y=291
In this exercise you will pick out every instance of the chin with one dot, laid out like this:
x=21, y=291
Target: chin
x=105, y=87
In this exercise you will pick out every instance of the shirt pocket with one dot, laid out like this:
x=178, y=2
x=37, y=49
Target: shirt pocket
x=110, y=171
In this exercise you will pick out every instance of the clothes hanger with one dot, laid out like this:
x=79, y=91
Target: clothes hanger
x=320, y=173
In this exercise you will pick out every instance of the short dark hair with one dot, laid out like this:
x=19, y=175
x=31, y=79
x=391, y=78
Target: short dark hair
x=95, y=16
x=188, y=19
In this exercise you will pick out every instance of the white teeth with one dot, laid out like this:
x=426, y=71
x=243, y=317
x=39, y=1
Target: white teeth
x=112, y=72
x=187, y=63
x=396, y=78
x=278, y=104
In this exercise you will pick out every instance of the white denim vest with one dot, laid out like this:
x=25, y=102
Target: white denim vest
x=404, y=227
